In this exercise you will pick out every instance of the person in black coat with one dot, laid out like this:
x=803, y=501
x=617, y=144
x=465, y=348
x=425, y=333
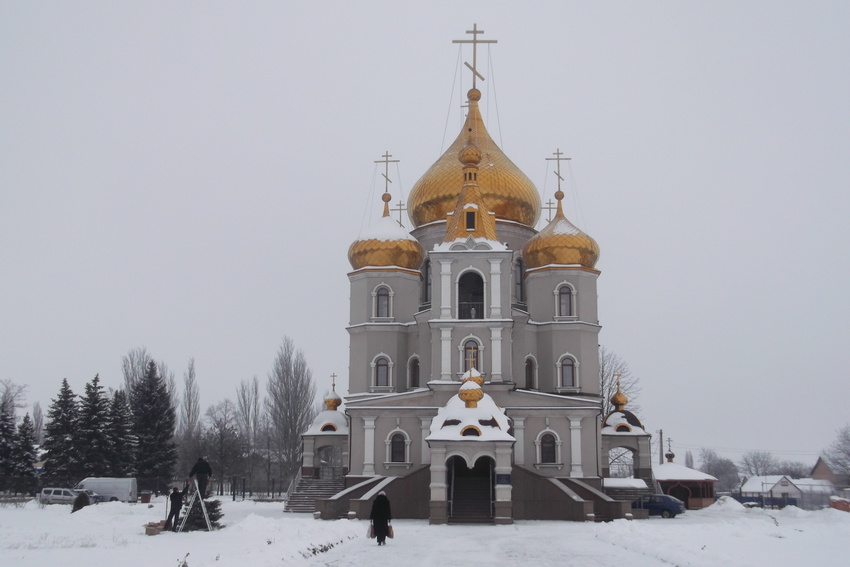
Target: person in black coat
x=381, y=517
x=176, y=499
x=202, y=471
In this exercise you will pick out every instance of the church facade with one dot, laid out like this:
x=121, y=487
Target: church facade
x=474, y=390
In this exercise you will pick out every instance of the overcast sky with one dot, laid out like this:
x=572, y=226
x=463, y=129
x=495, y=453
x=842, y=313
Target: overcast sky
x=188, y=176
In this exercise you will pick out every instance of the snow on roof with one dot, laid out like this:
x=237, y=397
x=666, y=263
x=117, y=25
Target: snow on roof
x=328, y=417
x=675, y=471
x=386, y=228
x=475, y=244
x=623, y=483
x=452, y=419
x=764, y=483
x=618, y=418
x=818, y=485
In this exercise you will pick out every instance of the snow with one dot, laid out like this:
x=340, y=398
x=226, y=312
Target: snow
x=385, y=229
x=623, y=483
x=262, y=535
x=329, y=417
x=675, y=471
x=460, y=417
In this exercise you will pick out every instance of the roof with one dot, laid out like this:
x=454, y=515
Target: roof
x=328, y=417
x=488, y=418
x=675, y=471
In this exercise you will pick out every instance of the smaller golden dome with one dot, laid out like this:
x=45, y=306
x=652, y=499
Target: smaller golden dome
x=560, y=242
x=469, y=155
x=386, y=244
x=333, y=401
x=470, y=393
x=619, y=400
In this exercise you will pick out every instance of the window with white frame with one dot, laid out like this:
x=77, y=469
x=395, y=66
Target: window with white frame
x=567, y=371
x=548, y=448
x=565, y=300
x=413, y=373
x=382, y=372
x=530, y=373
x=382, y=306
x=470, y=355
x=398, y=448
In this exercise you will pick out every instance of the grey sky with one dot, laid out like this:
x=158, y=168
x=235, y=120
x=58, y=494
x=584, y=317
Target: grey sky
x=188, y=177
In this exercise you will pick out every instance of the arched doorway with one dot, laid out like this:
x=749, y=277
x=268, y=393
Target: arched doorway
x=621, y=463
x=330, y=462
x=471, y=491
x=683, y=493
x=470, y=296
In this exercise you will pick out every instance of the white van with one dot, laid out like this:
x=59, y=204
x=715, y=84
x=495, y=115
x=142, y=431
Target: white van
x=111, y=489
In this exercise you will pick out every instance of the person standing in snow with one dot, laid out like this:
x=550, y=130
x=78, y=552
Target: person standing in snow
x=176, y=498
x=381, y=517
x=202, y=471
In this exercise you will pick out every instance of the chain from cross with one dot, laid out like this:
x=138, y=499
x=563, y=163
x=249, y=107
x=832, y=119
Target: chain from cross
x=387, y=161
x=558, y=159
x=474, y=41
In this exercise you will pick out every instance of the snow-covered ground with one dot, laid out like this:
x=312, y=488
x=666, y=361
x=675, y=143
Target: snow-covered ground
x=261, y=535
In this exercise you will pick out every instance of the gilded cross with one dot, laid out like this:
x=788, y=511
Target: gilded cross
x=474, y=41
x=387, y=161
x=401, y=208
x=550, y=206
x=558, y=159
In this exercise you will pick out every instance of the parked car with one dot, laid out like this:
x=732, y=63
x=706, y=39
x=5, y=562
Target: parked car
x=660, y=505
x=94, y=497
x=112, y=489
x=57, y=496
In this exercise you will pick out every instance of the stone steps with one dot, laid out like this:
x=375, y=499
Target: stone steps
x=303, y=499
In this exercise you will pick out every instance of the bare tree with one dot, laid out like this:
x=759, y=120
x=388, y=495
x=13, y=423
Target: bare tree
x=189, y=429
x=837, y=455
x=757, y=463
x=248, y=408
x=794, y=469
x=38, y=422
x=289, y=404
x=12, y=396
x=610, y=365
x=689, y=459
x=134, y=365
x=170, y=382
x=724, y=470
x=224, y=445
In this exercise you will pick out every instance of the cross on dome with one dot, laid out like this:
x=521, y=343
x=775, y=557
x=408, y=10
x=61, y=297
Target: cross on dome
x=474, y=41
x=387, y=161
x=558, y=159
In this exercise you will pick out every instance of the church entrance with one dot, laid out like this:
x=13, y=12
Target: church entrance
x=330, y=463
x=471, y=491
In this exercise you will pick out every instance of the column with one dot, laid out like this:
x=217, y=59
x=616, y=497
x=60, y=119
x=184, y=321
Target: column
x=426, y=430
x=519, y=446
x=446, y=353
x=439, y=508
x=495, y=289
x=503, y=504
x=369, y=445
x=445, y=289
x=575, y=447
x=496, y=360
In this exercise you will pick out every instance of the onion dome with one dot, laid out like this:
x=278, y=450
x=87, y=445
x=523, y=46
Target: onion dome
x=560, y=242
x=471, y=393
x=470, y=218
x=619, y=400
x=386, y=244
x=333, y=401
x=505, y=190
x=474, y=376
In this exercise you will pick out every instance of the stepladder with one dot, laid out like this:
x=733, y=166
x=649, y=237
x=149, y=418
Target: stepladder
x=196, y=496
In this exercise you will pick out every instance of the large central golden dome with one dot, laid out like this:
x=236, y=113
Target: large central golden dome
x=505, y=190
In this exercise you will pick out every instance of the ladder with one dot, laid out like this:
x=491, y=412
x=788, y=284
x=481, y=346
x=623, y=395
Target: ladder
x=194, y=497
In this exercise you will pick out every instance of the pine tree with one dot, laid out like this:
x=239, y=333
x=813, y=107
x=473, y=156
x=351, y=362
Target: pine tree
x=196, y=520
x=60, y=437
x=7, y=440
x=25, y=454
x=122, y=440
x=92, y=431
x=154, y=420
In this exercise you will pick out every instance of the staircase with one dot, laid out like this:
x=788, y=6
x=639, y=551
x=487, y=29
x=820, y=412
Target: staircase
x=632, y=494
x=471, y=501
x=304, y=497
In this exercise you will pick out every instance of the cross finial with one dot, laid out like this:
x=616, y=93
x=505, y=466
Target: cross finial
x=333, y=382
x=474, y=41
x=401, y=208
x=558, y=159
x=550, y=206
x=387, y=161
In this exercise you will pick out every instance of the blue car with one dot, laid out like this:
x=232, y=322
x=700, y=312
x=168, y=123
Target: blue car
x=660, y=505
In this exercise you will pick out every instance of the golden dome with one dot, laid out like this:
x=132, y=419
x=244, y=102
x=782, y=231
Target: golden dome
x=386, y=244
x=560, y=242
x=619, y=399
x=470, y=393
x=505, y=190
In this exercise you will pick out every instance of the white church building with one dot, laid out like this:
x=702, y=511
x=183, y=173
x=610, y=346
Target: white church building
x=474, y=390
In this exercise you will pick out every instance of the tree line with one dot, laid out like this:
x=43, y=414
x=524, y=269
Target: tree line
x=146, y=429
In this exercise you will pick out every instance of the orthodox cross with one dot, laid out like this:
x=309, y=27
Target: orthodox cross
x=387, y=161
x=400, y=209
x=550, y=206
x=669, y=445
x=474, y=41
x=333, y=382
x=558, y=159
x=470, y=358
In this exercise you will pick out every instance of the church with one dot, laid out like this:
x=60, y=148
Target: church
x=474, y=389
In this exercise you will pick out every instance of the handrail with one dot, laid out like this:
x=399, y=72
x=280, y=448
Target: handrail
x=293, y=484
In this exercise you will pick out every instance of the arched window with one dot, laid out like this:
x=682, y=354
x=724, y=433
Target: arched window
x=529, y=373
x=426, y=282
x=470, y=294
x=565, y=301
x=548, y=449
x=470, y=355
x=413, y=379
x=568, y=372
x=329, y=427
x=382, y=302
x=382, y=372
x=519, y=281
x=398, y=444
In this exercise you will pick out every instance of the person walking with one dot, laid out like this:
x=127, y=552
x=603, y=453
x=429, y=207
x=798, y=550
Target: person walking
x=381, y=516
x=176, y=499
x=202, y=471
